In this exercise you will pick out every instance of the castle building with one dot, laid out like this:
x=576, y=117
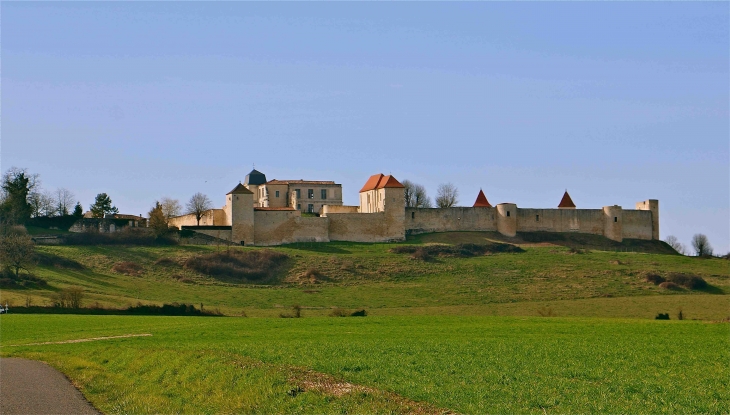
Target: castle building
x=306, y=196
x=254, y=215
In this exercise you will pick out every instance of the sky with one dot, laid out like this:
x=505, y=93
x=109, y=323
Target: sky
x=617, y=102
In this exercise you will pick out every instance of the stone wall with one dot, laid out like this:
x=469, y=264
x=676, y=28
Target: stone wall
x=362, y=227
x=423, y=220
x=326, y=209
x=220, y=232
x=213, y=217
x=283, y=227
x=560, y=220
x=637, y=224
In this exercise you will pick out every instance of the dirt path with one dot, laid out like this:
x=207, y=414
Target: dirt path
x=31, y=387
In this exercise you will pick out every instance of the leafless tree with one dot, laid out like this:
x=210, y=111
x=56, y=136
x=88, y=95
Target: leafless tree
x=676, y=245
x=17, y=251
x=170, y=207
x=198, y=205
x=701, y=245
x=65, y=200
x=447, y=195
x=415, y=195
x=42, y=203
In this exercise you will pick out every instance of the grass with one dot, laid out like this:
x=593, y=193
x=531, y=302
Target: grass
x=368, y=276
x=414, y=364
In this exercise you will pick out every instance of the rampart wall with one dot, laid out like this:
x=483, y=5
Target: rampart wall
x=637, y=224
x=364, y=227
x=424, y=220
x=283, y=227
x=212, y=217
x=560, y=220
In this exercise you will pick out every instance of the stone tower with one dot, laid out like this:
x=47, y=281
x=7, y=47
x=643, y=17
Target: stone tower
x=239, y=211
x=507, y=219
x=653, y=206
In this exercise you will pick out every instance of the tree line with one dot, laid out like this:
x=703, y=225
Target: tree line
x=447, y=195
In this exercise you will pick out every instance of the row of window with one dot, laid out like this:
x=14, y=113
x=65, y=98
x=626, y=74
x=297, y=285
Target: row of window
x=310, y=193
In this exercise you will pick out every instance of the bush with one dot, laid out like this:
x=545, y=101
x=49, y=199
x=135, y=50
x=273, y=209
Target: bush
x=251, y=265
x=692, y=282
x=128, y=268
x=296, y=312
x=339, y=312
x=670, y=285
x=128, y=236
x=52, y=260
x=662, y=316
x=655, y=279
x=174, y=309
x=359, y=313
x=461, y=250
x=166, y=262
x=8, y=279
x=70, y=297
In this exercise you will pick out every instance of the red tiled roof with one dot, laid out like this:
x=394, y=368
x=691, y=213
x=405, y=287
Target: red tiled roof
x=379, y=181
x=274, y=208
x=566, y=201
x=482, y=200
x=314, y=182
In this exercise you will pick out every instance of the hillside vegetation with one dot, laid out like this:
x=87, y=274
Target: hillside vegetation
x=554, y=275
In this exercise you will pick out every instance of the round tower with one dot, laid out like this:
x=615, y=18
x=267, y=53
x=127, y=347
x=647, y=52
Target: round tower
x=613, y=223
x=507, y=219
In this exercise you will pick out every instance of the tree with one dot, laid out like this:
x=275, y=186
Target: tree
x=17, y=184
x=102, y=206
x=415, y=195
x=170, y=207
x=676, y=245
x=701, y=245
x=42, y=203
x=198, y=205
x=64, y=201
x=447, y=195
x=158, y=221
x=78, y=211
x=17, y=251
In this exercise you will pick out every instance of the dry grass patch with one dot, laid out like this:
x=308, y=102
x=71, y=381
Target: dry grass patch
x=240, y=266
x=128, y=268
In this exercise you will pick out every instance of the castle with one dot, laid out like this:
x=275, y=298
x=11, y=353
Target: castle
x=260, y=212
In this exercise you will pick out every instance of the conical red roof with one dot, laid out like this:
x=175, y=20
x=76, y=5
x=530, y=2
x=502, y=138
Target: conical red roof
x=566, y=201
x=482, y=200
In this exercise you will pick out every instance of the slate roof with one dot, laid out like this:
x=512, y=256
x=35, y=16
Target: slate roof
x=482, y=200
x=240, y=189
x=566, y=201
x=255, y=178
x=379, y=181
x=312, y=182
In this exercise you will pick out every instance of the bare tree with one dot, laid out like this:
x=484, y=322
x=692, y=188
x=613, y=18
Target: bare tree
x=701, y=245
x=42, y=203
x=415, y=195
x=65, y=200
x=17, y=251
x=170, y=207
x=676, y=245
x=447, y=195
x=198, y=205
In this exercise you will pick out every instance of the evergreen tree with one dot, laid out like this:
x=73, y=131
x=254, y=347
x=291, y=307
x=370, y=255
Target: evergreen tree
x=158, y=222
x=78, y=210
x=16, y=186
x=102, y=206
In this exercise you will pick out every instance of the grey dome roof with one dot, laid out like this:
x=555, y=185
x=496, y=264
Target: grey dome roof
x=255, y=178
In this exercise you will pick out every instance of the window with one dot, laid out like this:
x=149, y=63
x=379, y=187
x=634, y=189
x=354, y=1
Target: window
x=324, y=194
x=413, y=215
x=615, y=218
x=310, y=193
x=277, y=193
x=508, y=213
x=310, y=208
x=299, y=206
x=299, y=193
x=537, y=218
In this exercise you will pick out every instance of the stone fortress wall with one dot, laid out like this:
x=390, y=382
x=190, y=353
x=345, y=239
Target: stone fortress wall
x=383, y=217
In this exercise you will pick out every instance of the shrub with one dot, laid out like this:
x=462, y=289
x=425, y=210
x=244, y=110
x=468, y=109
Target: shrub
x=655, y=279
x=339, y=312
x=692, y=282
x=421, y=254
x=296, y=312
x=128, y=236
x=669, y=285
x=461, y=250
x=70, y=297
x=8, y=279
x=52, y=260
x=174, y=309
x=128, y=268
x=166, y=262
x=576, y=251
x=662, y=316
x=252, y=265
x=359, y=313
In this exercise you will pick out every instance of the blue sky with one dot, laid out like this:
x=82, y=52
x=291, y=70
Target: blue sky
x=617, y=102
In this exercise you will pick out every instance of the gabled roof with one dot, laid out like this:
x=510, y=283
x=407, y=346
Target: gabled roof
x=240, y=189
x=312, y=182
x=255, y=178
x=482, y=200
x=566, y=201
x=379, y=181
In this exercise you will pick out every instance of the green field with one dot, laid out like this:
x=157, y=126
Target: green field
x=384, y=364
x=564, y=327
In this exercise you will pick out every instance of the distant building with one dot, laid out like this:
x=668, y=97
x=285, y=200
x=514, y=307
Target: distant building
x=303, y=195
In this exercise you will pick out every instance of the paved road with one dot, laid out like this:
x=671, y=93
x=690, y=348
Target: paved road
x=31, y=387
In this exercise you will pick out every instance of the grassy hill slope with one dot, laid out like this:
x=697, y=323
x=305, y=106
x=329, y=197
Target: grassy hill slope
x=551, y=277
